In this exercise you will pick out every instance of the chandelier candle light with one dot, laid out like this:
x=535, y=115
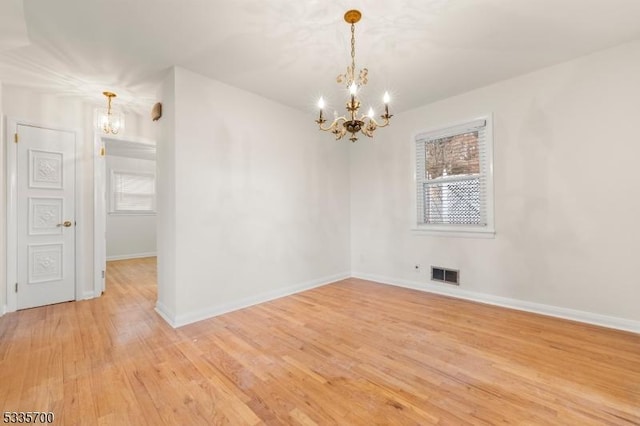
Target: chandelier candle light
x=365, y=123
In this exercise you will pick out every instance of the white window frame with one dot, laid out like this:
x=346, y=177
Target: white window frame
x=446, y=230
x=112, y=194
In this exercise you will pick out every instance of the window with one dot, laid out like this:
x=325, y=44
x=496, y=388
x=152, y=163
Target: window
x=133, y=192
x=454, y=185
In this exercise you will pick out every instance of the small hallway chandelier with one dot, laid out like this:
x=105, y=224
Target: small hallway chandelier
x=351, y=123
x=109, y=121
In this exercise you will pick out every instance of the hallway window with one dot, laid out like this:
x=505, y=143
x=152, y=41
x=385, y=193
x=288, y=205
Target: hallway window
x=133, y=192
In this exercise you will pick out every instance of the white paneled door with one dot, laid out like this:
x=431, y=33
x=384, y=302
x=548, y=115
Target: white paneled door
x=45, y=216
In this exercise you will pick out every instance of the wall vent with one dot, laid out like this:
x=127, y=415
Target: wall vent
x=443, y=275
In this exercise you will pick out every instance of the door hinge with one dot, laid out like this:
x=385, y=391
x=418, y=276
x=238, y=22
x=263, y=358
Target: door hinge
x=102, y=274
x=16, y=287
x=15, y=138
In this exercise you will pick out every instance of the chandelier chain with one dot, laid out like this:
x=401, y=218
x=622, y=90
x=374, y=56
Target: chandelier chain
x=353, y=52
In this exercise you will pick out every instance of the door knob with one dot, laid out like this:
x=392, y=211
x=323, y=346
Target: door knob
x=66, y=223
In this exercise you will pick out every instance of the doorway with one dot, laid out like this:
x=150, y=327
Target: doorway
x=125, y=202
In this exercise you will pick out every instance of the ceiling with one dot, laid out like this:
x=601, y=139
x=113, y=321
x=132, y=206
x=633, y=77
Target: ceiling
x=291, y=51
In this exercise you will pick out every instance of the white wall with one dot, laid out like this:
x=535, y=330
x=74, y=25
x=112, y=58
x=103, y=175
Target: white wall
x=566, y=191
x=261, y=201
x=129, y=235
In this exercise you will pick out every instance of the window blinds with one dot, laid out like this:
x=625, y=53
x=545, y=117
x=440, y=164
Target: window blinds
x=132, y=192
x=451, y=175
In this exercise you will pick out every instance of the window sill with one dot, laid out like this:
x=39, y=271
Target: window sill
x=453, y=232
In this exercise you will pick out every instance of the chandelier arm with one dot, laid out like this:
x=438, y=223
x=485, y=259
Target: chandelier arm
x=338, y=131
x=366, y=119
x=385, y=122
x=369, y=127
x=333, y=124
x=367, y=132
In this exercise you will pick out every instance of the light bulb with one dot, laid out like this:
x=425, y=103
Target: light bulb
x=370, y=114
x=321, y=103
x=386, y=98
x=353, y=88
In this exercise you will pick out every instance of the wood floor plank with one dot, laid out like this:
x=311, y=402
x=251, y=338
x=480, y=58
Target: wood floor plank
x=353, y=352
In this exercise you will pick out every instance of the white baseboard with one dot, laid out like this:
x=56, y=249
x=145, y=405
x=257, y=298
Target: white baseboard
x=191, y=317
x=131, y=256
x=3, y=310
x=166, y=314
x=522, y=305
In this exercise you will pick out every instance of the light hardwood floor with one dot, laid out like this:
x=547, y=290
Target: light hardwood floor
x=353, y=352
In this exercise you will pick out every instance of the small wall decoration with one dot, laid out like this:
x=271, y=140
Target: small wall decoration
x=156, y=112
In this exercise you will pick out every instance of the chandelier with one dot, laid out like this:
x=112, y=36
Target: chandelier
x=109, y=121
x=351, y=123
